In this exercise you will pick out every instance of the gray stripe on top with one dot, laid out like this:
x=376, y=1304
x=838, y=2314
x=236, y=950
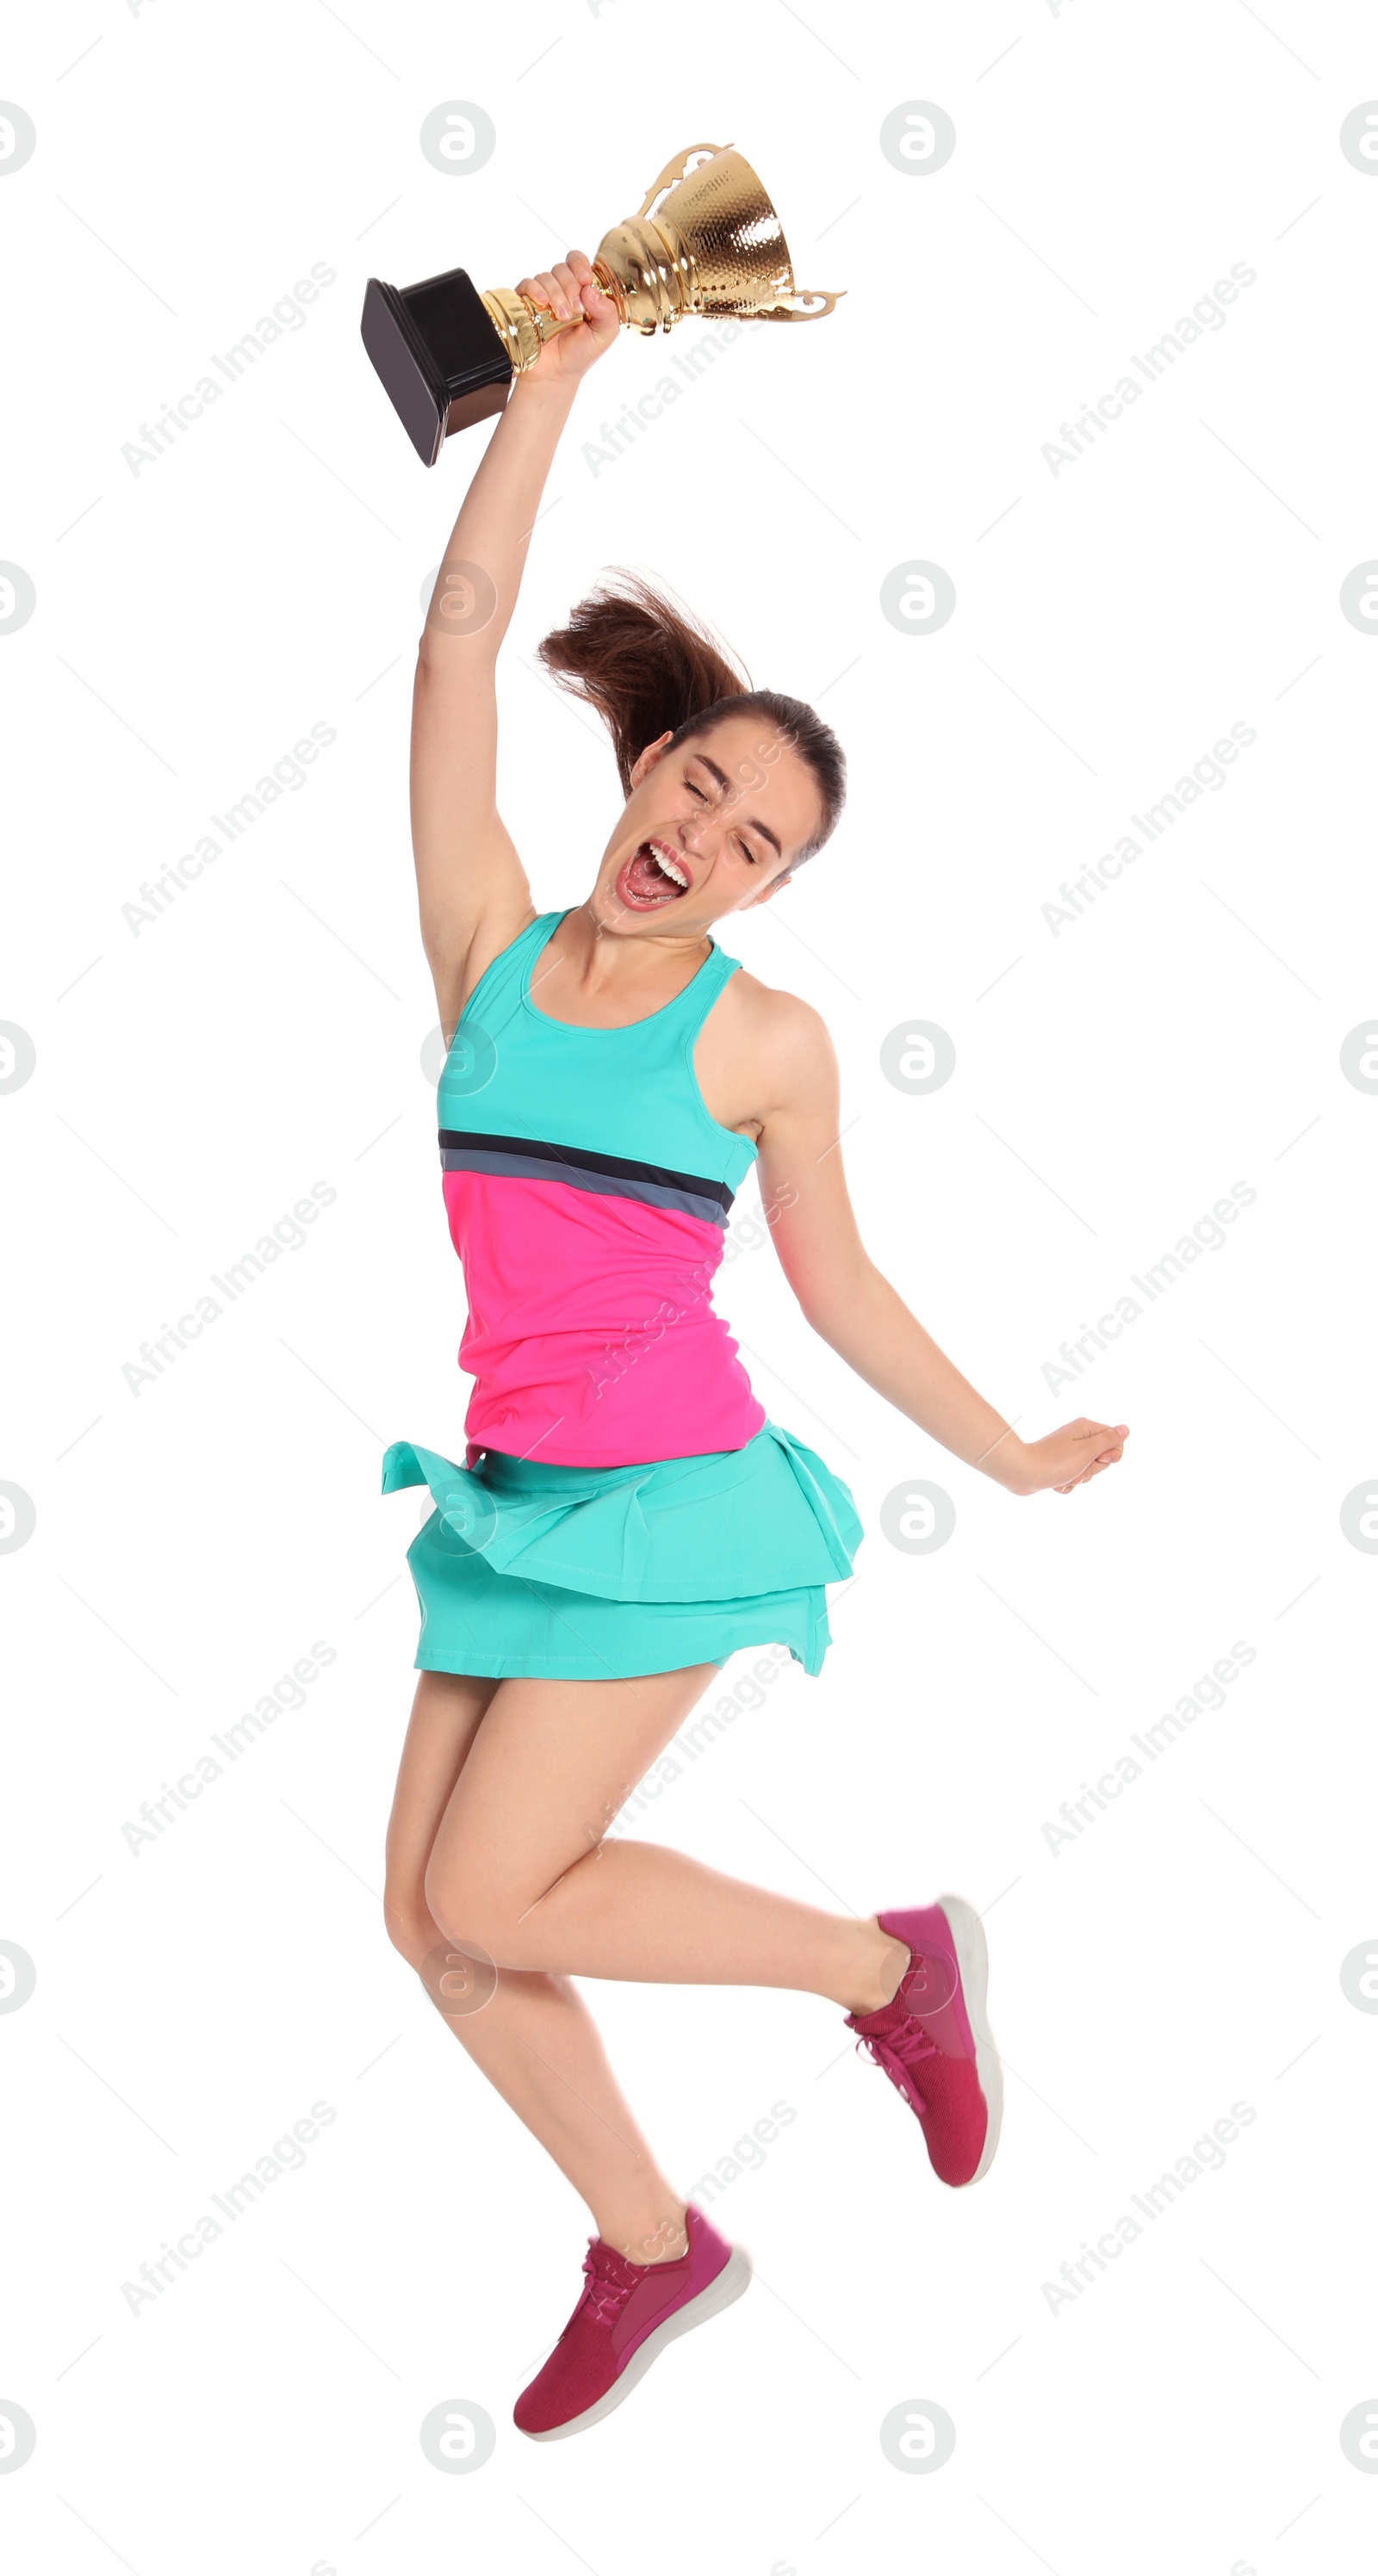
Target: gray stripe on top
x=604, y=1185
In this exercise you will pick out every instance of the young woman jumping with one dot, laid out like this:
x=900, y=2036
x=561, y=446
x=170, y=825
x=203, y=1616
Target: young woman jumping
x=626, y=1517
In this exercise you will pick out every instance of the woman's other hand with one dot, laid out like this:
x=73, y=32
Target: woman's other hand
x=1067, y=1458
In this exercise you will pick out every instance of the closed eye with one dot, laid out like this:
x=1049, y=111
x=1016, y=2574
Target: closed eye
x=695, y=790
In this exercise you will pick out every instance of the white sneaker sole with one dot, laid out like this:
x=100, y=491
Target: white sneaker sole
x=969, y=1942
x=726, y=2285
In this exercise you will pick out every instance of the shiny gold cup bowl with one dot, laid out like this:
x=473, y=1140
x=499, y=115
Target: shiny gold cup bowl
x=447, y=354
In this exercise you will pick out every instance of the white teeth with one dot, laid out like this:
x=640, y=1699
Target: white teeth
x=668, y=867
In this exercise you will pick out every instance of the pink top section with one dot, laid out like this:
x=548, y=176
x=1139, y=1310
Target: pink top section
x=591, y=1331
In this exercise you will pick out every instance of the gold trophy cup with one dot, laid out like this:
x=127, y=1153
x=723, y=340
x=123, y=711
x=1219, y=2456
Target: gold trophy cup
x=447, y=354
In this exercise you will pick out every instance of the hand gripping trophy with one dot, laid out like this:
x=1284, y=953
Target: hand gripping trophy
x=447, y=355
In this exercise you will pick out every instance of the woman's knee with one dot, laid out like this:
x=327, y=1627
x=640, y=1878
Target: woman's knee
x=480, y=1906
x=408, y=1922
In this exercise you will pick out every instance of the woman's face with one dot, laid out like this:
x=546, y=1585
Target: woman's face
x=709, y=828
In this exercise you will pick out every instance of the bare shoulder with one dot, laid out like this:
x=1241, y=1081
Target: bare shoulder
x=795, y=1034
x=763, y=1050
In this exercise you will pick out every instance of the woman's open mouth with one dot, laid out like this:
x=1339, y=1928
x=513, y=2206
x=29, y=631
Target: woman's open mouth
x=650, y=877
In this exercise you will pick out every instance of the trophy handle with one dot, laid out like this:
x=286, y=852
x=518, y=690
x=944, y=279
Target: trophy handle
x=673, y=172
x=815, y=300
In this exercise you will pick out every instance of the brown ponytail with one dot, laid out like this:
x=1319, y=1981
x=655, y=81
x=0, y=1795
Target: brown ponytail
x=648, y=667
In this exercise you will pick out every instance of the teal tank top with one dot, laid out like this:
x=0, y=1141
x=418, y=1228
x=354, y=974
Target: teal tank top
x=588, y=1191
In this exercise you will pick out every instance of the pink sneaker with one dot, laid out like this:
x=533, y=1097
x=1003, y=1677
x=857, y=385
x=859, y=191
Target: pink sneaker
x=628, y=2313
x=934, y=2041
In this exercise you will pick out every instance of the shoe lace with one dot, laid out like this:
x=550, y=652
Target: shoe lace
x=908, y=2041
x=604, y=2297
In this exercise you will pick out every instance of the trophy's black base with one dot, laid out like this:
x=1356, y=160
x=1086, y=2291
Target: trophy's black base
x=439, y=356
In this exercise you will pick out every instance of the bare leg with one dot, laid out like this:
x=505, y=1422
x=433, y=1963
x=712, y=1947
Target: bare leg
x=535, y=2040
x=519, y=1867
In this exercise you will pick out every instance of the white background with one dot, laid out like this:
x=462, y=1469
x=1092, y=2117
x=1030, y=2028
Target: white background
x=193, y=1539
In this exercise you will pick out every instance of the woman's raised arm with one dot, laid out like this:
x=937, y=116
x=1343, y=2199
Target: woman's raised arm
x=472, y=887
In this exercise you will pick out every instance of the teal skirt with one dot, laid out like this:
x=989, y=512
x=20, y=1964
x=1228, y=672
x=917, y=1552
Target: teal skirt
x=600, y=1573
